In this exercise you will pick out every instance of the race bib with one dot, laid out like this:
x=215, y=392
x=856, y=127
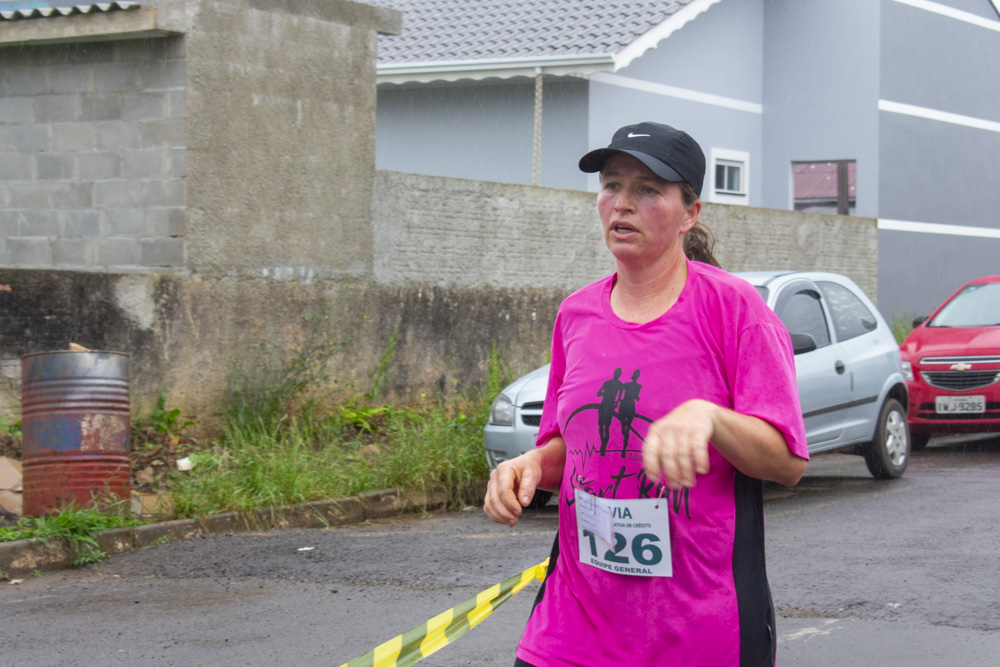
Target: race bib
x=630, y=537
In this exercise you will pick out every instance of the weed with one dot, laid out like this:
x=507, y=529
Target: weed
x=379, y=377
x=363, y=414
x=308, y=367
x=363, y=418
x=262, y=397
x=902, y=325
x=165, y=421
x=10, y=429
x=36, y=574
x=497, y=373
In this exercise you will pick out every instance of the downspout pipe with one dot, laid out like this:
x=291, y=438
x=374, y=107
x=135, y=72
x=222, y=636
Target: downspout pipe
x=536, y=164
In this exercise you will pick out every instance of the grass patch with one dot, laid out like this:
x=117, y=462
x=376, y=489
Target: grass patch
x=279, y=447
x=75, y=526
x=323, y=455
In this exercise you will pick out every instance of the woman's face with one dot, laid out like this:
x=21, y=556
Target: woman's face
x=643, y=217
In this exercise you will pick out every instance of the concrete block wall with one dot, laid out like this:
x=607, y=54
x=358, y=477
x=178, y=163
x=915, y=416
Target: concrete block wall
x=450, y=232
x=753, y=239
x=92, y=156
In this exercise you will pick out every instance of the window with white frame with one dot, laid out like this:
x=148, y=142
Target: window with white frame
x=729, y=172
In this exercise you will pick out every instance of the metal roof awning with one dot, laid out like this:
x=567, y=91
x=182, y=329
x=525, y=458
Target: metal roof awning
x=29, y=9
x=41, y=22
x=501, y=68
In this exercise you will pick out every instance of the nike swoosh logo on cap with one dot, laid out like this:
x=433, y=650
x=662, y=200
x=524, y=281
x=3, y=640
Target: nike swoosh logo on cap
x=632, y=135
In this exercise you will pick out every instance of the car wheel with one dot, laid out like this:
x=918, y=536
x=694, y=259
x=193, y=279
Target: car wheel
x=540, y=500
x=918, y=441
x=889, y=452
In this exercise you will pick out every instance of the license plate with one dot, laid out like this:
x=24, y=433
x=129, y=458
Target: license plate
x=949, y=405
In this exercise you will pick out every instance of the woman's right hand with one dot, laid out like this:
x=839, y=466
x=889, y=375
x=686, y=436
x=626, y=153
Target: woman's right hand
x=513, y=483
x=511, y=487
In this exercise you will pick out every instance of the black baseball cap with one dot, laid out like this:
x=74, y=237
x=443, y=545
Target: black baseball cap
x=669, y=153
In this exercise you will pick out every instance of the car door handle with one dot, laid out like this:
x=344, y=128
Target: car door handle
x=840, y=367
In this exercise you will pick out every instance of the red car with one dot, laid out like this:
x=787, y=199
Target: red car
x=951, y=362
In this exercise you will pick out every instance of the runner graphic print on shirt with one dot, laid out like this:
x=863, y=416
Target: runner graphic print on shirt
x=617, y=401
x=626, y=407
x=610, y=394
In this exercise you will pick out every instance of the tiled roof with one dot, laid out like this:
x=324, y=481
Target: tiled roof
x=13, y=10
x=469, y=30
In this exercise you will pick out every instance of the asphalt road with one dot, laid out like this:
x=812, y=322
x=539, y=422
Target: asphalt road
x=862, y=572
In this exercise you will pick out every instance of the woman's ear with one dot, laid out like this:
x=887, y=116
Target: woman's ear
x=693, y=210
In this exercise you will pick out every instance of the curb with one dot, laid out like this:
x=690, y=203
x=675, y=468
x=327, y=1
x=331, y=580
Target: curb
x=26, y=556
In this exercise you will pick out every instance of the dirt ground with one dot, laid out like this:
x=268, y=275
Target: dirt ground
x=10, y=446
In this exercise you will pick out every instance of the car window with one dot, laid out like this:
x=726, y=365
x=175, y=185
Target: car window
x=974, y=306
x=851, y=317
x=798, y=305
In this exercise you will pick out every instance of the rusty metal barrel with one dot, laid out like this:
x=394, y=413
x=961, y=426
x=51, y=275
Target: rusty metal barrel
x=75, y=428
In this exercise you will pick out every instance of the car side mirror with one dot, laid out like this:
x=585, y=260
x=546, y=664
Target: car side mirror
x=917, y=321
x=802, y=342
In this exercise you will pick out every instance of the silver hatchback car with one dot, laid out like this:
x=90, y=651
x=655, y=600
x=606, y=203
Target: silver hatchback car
x=847, y=366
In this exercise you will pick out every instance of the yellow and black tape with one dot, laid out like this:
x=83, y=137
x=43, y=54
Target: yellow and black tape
x=433, y=635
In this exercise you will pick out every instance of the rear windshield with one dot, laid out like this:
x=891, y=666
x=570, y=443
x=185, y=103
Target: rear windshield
x=974, y=306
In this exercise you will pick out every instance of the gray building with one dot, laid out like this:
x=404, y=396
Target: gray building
x=888, y=109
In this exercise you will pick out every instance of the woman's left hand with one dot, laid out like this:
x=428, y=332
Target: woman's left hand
x=676, y=446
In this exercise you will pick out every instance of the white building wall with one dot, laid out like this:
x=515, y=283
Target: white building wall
x=705, y=79
x=820, y=90
x=939, y=143
x=482, y=130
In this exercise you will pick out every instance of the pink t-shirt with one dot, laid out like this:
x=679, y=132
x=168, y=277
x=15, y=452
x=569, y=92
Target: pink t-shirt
x=609, y=380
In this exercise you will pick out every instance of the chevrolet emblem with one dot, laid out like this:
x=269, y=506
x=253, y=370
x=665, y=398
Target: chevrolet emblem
x=961, y=367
